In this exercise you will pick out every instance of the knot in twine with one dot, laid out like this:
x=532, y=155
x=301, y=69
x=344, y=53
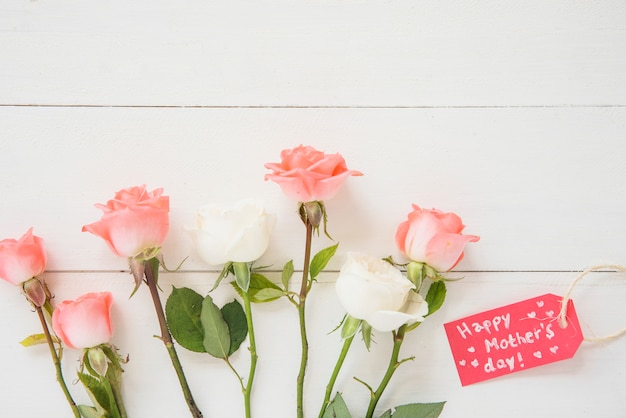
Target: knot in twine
x=562, y=317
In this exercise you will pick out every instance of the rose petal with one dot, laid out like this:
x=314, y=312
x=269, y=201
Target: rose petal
x=367, y=284
x=130, y=231
x=22, y=259
x=414, y=310
x=451, y=222
x=134, y=221
x=238, y=233
x=385, y=321
x=422, y=227
x=306, y=175
x=85, y=322
x=444, y=251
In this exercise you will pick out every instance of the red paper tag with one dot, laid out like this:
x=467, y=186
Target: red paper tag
x=513, y=338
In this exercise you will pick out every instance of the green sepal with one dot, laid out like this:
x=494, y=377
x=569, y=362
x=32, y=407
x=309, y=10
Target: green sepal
x=216, y=334
x=161, y=259
x=261, y=289
x=312, y=213
x=432, y=274
x=366, y=332
x=337, y=408
x=350, y=327
x=228, y=268
x=137, y=269
x=321, y=259
x=235, y=318
x=183, y=310
x=286, y=274
x=325, y=214
x=416, y=410
x=242, y=275
x=97, y=360
x=415, y=273
x=436, y=296
x=90, y=412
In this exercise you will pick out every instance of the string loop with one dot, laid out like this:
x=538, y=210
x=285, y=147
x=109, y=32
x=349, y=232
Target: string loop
x=562, y=317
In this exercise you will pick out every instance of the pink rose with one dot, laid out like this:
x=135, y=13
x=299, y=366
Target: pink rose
x=433, y=237
x=134, y=223
x=84, y=322
x=307, y=175
x=22, y=259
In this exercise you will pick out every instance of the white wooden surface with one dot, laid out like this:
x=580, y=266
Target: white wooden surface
x=511, y=114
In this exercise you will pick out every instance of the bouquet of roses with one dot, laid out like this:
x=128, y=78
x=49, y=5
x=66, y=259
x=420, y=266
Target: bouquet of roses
x=379, y=295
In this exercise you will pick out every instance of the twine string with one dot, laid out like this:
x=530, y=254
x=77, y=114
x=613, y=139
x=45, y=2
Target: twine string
x=562, y=317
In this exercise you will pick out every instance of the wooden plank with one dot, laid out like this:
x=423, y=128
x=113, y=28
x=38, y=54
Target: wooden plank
x=543, y=187
x=284, y=53
x=593, y=379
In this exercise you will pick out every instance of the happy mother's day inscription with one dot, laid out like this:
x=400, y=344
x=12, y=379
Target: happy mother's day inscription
x=512, y=338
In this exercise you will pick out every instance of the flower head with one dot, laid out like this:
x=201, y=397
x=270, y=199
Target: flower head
x=84, y=322
x=239, y=233
x=433, y=237
x=373, y=290
x=134, y=223
x=22, y=259
x=306, y=174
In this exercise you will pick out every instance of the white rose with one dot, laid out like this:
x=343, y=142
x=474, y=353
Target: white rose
x=375, y=291
x=240, y=233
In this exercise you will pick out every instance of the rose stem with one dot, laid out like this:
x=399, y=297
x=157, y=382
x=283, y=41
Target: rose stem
x=301, y=305
x=398, y=337
x=57, y=362
x=166, y=337
x=329, y=389
x=253, y=355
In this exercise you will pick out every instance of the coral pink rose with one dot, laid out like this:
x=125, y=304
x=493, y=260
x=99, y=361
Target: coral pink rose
x=134, y=223
x=433, y=237
x=306, y=174
x=84, y=322
x=22, y=259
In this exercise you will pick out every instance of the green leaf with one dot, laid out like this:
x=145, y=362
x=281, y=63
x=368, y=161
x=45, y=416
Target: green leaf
x=261, y=289
x=101, y=394
x=34, y=340
x=183, y=309
x=321, y=259
x=267, y=295
x=216, y=334
x=337, y=408
x=286, y=274
x=350, y=327
x=387, y=414
x=419, y=410
x=242, y=275
x=435, y=296
x=235, y=318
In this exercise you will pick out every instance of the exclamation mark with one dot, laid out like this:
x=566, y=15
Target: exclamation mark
x=521, y=360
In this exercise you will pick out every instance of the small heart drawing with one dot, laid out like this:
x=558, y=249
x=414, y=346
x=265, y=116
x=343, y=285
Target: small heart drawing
x=471, y=349
x=462, y=362
x=540, y=304
x=475, y=363
x=537, y=354
x=550, y=313
x=554, y=349
x=531, y=314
